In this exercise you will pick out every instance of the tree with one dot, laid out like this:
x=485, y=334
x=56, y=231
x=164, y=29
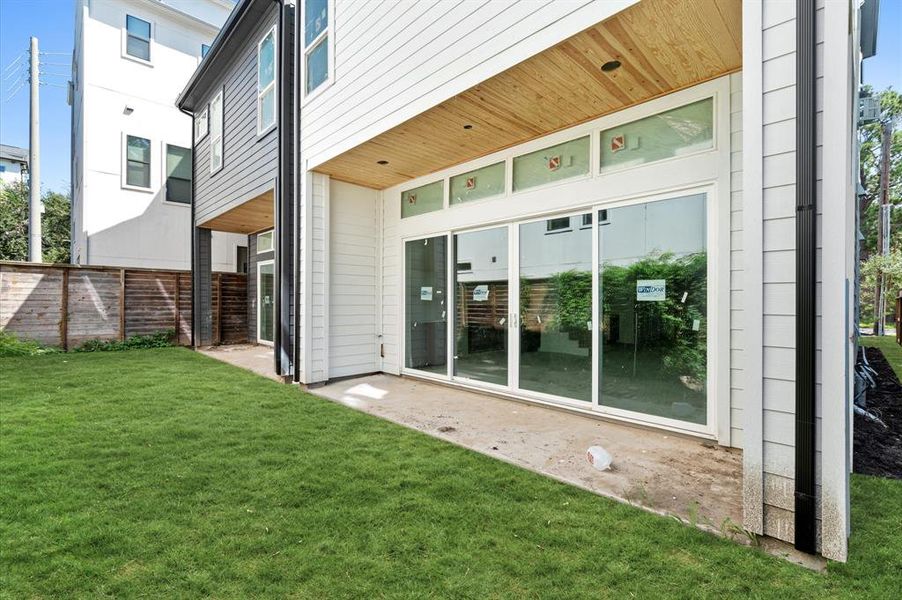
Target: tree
x=870, y=136
x=14, y=224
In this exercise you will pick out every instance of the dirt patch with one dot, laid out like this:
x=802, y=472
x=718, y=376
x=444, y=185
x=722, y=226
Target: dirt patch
x=878, y=450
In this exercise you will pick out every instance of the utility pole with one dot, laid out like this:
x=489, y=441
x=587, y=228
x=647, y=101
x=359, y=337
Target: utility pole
x=883, y=225
x=34, y=160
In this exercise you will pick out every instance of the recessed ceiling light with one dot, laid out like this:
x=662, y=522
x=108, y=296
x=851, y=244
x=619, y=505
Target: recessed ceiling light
x=381, y=162
x=611, y=65
x=468, y=126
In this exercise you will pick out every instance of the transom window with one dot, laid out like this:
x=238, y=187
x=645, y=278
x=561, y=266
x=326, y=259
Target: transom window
x=137, y=37
x=178, y=174
x=216, y=133
x=266, y=82
x=317, y=59
x=264, y=242
x=137, y=162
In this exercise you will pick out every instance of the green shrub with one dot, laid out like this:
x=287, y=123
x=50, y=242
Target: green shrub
x=10, y=345
x=161, y=339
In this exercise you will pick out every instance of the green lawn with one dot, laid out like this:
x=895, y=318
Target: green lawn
x=891, y=350
x=162, y=473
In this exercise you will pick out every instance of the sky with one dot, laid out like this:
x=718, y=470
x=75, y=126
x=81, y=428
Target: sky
x=51, y=21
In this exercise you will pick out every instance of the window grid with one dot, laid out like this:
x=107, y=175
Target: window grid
x=216, y=133
x=317, y=47
x=138, y=33
x=266, y=90
x=137, y=161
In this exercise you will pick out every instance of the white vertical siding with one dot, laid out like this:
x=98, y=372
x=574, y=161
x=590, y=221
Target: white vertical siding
x=353, y=247
x=396, y=58
x=737, y=339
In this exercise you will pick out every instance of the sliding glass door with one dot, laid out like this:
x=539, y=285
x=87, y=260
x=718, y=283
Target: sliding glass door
x=426, y=305
x=605, y=309
x=481, y=305
x=555, y=291
x=653, y=309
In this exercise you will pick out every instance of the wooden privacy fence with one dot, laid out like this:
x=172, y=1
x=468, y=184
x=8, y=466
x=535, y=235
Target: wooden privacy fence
x=66, y=305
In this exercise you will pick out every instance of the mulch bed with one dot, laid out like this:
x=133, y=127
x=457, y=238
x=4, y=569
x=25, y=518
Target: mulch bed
x=878, y=451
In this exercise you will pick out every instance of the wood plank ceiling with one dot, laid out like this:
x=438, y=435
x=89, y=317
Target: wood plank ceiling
x=249, y=217
x=662, y=45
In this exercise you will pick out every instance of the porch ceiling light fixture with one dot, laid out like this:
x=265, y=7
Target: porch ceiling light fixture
x=381, y=162
x=128, y=110
x=611, y=65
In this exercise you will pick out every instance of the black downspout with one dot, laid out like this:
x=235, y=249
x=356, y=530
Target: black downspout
x=806, y=252
x=282, y=196
x=296, y=205
x=193, y=236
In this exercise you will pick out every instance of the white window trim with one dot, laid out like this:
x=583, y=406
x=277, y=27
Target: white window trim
x=686, y=174
x=261, y=130
x=164, y=178
x=221, y=96
x=259, y=310
x=205, y=114
x=153, y=31
x=305, y=51
x=272, y=238
x=124, y=163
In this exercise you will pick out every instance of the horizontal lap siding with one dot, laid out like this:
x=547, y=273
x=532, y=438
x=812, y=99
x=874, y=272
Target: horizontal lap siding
x=250, y=163
x=430, y=50
x=737, y=326
x=319, y=368
x=778, y=245
x=353, y=246
x=392, y=269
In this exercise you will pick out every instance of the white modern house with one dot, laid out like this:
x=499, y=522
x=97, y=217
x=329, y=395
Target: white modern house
x=635, y=210
x=13, y=164
x=131, y=147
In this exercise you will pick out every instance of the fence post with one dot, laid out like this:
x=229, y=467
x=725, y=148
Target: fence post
x=121, y=304
x=64, y=311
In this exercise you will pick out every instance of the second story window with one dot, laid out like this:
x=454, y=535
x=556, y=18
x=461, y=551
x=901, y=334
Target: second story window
x=201, y=125
x=266, y=82
x=216, y=133
x=317, y=51
x=178, y=174
x=137, y=38
x=204, y=49
x=137, y=162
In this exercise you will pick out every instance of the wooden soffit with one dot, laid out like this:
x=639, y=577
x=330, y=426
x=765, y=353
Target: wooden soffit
x=662, y=45
x=254, y=215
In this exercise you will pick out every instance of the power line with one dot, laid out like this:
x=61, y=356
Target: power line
x=54, y=54
x=13, y=61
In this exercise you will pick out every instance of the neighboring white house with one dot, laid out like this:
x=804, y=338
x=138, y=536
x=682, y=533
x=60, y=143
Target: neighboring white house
x=131, y=172
x=13, y=164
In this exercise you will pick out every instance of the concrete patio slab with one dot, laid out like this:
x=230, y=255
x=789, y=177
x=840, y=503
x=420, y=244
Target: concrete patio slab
x=253, y=357
x=666, y=473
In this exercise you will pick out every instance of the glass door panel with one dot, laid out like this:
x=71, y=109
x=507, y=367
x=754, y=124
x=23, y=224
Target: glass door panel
x=653, y=308
x=556, y=307
x=426, y=276
x=481, y=305
x=266, y=301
